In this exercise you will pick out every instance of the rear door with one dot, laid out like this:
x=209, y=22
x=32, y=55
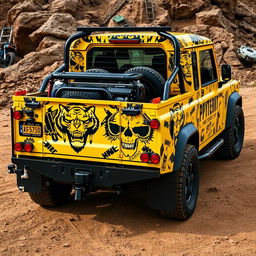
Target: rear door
x=98, y=131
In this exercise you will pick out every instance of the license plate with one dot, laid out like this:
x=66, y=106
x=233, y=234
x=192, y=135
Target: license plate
x=30, y=129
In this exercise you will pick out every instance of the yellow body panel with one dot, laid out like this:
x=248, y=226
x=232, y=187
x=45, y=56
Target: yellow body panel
x=98, y=131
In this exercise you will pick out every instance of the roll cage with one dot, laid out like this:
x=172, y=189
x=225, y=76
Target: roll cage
x=62, y=71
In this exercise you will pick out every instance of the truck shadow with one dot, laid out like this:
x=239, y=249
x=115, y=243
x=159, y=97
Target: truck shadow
x=226, y=204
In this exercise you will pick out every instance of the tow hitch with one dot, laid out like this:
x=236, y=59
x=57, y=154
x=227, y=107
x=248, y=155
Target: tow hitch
x=82, y=185
x=12, y=168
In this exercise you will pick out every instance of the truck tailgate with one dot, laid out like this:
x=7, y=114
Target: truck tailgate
x=86, y=130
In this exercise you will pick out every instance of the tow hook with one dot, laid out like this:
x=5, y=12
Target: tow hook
x=25, y=173
x=12, y=168
x=82, y=186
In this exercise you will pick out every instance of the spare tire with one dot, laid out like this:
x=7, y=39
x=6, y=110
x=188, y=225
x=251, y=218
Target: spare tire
x=79, y=94
x=152, y=80
x=247, y=55
x=97, y=70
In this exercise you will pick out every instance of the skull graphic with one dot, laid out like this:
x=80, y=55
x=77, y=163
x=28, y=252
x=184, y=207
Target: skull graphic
x=132, y=131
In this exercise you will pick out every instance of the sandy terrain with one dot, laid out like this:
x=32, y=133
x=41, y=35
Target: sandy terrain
x=106, y=224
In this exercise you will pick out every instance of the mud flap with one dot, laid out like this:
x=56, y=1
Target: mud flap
x=162, y=192
x=30, y=184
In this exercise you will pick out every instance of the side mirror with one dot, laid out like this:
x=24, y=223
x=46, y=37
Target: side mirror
x=226, y=72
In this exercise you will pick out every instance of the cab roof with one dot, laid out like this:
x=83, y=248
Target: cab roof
x=185, y=40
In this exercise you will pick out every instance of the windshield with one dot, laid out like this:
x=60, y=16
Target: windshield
x=119, y=60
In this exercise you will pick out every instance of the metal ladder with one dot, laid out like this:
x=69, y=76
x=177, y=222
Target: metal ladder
x=6, y=35
x=149, y=10
x=113, y=10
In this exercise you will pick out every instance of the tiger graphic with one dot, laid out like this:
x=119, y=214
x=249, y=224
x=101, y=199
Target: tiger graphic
x=77, y=122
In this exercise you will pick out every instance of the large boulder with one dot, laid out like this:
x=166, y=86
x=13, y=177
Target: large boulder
x=49, y=41
x=162, y=20
x=32, y=62
x=59, y=25
x=246, y=13
x=228, y=7
x=64, y=6
x=215, y=18
x=23, y=6
x=185, y=9
x=36, y=61
x=248, y=27
x=5, y=7
x=24, y=25
x=221, y=35
x=230, y=57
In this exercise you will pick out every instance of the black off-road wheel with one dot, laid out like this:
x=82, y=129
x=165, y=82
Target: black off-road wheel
x=10, y=59
x=52, y=193
x=152, y=80
x=187, y=185
x=233, y=136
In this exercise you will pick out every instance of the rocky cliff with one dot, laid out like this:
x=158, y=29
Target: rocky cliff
x=42, y=26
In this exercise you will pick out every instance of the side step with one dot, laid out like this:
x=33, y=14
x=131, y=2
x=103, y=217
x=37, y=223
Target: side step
x=211, y=150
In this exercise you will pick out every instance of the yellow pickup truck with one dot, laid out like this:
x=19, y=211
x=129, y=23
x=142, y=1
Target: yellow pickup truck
x=128, y=105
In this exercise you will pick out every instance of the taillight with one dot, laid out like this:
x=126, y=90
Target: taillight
x=20, y=93
x=144, y=157
x=154, y=124
x=17, y=115
x=156, y=100
x=155, y=158
x=18, y=146
x=29, y=147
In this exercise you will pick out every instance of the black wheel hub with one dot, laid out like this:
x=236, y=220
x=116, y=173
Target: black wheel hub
x=190, y=182
x=238, y=130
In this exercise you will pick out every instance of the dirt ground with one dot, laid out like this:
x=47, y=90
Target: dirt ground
x=224, y=222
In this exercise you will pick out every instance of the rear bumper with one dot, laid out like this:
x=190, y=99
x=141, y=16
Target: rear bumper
x=72, y=172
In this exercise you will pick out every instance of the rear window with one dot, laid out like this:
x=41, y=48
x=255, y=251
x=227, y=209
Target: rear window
x=119, y=60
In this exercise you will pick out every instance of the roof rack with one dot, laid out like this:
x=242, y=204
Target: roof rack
x=122, y=29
